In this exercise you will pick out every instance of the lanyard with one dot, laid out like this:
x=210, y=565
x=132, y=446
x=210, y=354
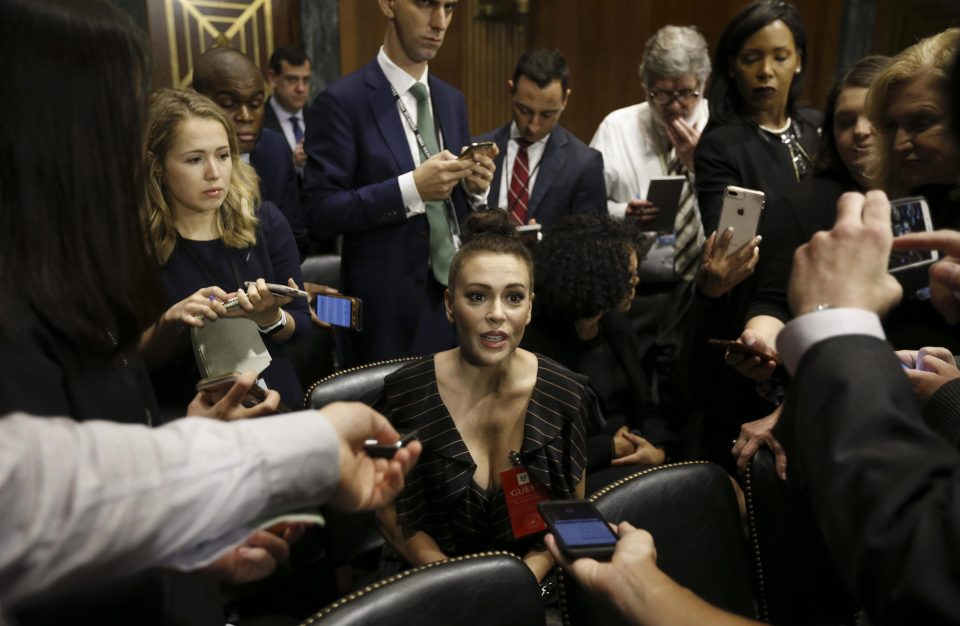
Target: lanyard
x=450, y=212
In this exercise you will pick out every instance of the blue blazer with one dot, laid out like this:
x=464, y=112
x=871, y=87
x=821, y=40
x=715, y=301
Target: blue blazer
x=279, y=183
x=569, y=180
x=356, y=148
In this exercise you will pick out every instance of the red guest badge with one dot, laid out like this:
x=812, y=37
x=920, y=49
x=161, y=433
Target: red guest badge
x=522, y=492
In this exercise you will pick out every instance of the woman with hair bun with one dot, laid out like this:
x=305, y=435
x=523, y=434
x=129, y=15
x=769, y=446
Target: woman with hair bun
x=483, y=411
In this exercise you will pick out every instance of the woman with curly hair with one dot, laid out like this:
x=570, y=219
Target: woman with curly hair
x=588, y=273
x=212, y=234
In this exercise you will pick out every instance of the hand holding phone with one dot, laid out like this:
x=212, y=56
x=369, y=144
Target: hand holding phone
x=742, y=209
x=387, y=450
x=910, y=215
x=735, y=346
x=579, y=529
x=483, y=148
x=281, y=291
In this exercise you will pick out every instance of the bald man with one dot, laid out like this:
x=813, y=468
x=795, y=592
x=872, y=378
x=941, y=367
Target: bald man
x=230, y=78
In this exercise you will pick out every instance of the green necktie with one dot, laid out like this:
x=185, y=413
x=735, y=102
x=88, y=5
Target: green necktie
x=441, y=241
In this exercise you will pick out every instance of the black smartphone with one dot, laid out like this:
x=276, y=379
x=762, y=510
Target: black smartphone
x=345, y=311
x=579, y=529
x=386, y=450
x=665, y=194
x=735, y=346
x=479, y=147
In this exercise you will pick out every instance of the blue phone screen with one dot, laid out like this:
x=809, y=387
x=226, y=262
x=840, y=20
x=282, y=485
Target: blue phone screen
x=334, y=311
x=587, y=531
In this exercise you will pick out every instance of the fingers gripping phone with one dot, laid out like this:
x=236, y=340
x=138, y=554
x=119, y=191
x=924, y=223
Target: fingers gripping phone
x=484, y=148
x=910, y=215
x=741, y=211
x=337, y=310
x=282, y=291
x=579, y=529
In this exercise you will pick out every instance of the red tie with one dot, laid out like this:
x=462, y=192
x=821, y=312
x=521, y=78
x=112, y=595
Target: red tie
x=519, y=182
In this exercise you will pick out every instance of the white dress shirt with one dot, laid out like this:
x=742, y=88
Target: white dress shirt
x=95, y=499
x=806, y=330
x=630, y=140
x=534, y=155
x=285, y=124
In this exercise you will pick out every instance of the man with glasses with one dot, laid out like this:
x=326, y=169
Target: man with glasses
x=656, y=139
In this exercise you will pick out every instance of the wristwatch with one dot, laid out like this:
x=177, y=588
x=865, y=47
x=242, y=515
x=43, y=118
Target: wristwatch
x=275, y=327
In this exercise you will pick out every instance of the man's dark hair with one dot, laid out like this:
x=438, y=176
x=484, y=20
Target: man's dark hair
x=72, y=250
x=542, y=66
x=293, y=55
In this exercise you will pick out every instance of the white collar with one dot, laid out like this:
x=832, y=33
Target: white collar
x=515, y=134
x=401, y=81
x=282, y=114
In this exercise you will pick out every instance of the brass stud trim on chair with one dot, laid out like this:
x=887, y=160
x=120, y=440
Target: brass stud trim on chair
x=355, y=595
x=622, y=481
x=755, y=543
x=350, y=370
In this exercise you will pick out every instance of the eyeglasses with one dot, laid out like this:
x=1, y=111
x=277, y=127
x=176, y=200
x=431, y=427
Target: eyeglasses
x=666, y=97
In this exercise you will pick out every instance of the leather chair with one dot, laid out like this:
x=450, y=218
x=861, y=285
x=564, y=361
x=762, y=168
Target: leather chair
x=320, y=353
x=350, y=535
x=490, y=588
x=323, y=269
x=691, y=511
x=361, y=384
x=796, y=580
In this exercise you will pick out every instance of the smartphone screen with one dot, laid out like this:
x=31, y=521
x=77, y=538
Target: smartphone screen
x=338, y=310
x=579, y=528
x=910, y=215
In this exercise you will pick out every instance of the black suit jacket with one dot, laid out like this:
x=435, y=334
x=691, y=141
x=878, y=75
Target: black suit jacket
x=356, y=149
x=279, y=183
x=270, y=118
x=884, y=488
x=569, y=180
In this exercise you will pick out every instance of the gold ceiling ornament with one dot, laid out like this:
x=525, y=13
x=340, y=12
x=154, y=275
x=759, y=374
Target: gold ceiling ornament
x=210, y=23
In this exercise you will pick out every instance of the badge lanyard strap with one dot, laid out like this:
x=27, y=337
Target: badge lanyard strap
x=451, y=212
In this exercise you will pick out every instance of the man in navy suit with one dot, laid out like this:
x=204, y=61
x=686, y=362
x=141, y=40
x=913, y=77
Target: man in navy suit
x=289, y=74
x=366, y=179
x=230, y=78
x=556, y=174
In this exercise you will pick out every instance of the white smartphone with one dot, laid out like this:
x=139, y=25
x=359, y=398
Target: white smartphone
x=742, y=209
x=281, y=290
x=665, y=194
x=910, y=215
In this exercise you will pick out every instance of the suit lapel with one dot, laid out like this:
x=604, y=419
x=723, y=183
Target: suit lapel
x=383, y=107
x=501, y=137
x=554, y=156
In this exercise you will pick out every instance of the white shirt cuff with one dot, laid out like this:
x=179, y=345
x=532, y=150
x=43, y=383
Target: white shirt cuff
x=617, y=209
x=803, y=332
x=475, y=199
x=411, y=197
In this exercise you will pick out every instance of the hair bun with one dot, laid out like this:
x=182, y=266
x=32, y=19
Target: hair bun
x=487, y=222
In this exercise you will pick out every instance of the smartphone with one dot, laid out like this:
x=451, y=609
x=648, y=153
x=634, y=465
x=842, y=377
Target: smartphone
x=218, y=386
x=386, y=450
x=665, y=194
x=910, y=215
x=736, y=346
x=484, y=148
x=579, y=529
x=281, y=290
x=741, y=210
x=339, y=310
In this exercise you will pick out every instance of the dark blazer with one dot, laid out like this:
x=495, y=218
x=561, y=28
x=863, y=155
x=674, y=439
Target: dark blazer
x=883, y=486
x=356, y=149
x=737, y=154
x=570, y=177
x=270, y=119
x=279, y=183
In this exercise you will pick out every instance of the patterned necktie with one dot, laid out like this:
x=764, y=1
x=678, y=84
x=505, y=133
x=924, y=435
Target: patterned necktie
x=519, y=195
x=297, y=130
x=686, y=251
x=441, y=239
